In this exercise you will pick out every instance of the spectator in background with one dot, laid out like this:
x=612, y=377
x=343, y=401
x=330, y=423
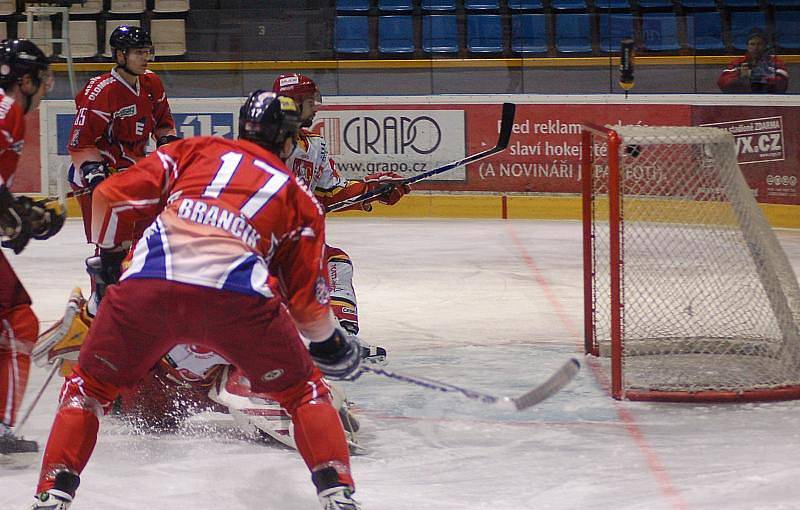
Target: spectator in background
x=758, y=71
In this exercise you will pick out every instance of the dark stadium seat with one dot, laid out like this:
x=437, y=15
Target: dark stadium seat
x=396, y=34
x=704, y=31
x=784, y=3
x=742, y=22
x=613, y=28
x=568, y=4
x=484, y=33
x=438, y=5
x=481, y=5
x=698, y=4
x=395, y=5
x=655, y=4
x=573, y=33
x=352, y=34
x=787, y=29
x=528, y=33
x=738, y=4
x=660, y=32
x=352, y=5
x=612, y=4
x=440, y=33
x=516, y=5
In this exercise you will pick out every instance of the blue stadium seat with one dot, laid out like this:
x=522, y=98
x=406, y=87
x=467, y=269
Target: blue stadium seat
x=395, y=5
x=573, y=33
x=660, y=32
x=352, y=34
x=655, y=4
x=438, y=5
x=613, y=28
x=742, y=22
x=704, y=31
x=481, y=5
x=784, y=3
x=739, y=3
x=352, y=5
x=612, y=4
x=787, y=29
x=561, y=5
x=484, y=33
x=699, y=4
x=528, y=33
x=516, y=5
x=396, y=34
x=440, y=33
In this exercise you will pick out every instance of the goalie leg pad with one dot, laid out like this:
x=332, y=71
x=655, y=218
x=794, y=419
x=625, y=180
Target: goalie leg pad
x=258, y=413
x=64, y=338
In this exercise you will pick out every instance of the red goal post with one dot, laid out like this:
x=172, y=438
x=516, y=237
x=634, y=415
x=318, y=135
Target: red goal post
x=687, y=292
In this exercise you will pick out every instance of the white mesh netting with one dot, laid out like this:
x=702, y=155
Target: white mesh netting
x=709, y=300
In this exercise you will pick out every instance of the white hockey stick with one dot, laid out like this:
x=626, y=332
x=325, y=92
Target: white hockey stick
x=545, y=390
x=38, y=396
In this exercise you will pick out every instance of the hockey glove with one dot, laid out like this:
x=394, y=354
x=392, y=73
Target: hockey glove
x=395, y=190
x=93, y=173
x=49, y=216
x=338, y=357
x=105, y=270
x=15, y=221
x=164, y=140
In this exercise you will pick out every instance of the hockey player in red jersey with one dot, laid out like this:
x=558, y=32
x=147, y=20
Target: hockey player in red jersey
x=117, y=114
x=25, y=78
x=223, y=216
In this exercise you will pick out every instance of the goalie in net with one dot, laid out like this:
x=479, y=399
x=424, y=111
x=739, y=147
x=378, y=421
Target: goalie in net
x=687, y=289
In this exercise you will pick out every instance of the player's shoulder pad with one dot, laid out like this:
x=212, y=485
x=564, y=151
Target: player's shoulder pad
x=307, y=133
x=98, y=86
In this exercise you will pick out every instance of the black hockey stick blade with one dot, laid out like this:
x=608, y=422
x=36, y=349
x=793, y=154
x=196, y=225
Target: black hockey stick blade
x=547, y=389
x=506, y=124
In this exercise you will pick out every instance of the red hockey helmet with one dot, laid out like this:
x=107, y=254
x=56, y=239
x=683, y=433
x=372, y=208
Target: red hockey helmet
x=296, y=86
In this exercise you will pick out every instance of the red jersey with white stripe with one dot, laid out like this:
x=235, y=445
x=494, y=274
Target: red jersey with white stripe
x=118, y=119
x=12, y=131
x=223, y=214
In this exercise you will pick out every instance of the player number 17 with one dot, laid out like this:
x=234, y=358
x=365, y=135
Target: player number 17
x=230, y=163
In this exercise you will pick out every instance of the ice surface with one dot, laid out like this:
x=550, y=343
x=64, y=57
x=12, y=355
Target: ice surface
x=491, y=305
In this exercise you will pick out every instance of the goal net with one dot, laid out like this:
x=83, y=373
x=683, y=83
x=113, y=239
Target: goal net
x=687, y=290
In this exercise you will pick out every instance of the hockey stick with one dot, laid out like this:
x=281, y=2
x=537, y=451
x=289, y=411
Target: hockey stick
x=545, y=390
x=38, y=396
x=506, y=123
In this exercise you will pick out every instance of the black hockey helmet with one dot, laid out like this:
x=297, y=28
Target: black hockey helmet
x=268, y=119
x=19, y=57
x=128, y=36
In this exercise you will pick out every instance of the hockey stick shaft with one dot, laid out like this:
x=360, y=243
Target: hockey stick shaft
x=506, y=124
x=36, y=399
x=545, y=390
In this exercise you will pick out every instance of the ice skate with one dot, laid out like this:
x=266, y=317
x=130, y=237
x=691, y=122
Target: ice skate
x=61, y=495
x=338, y=498
x=64, y=339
